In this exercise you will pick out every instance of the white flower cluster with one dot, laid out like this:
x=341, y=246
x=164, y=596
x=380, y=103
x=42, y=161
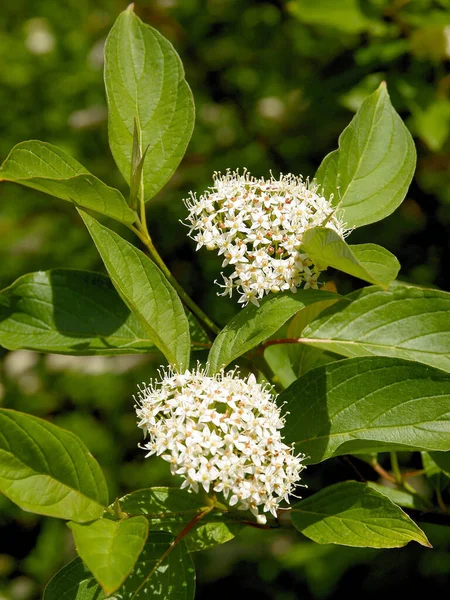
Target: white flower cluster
x=258, y=226
x=221, y=433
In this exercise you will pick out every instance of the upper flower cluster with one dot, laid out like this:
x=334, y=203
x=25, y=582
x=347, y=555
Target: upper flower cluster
x=258, y=226
x=221, y=433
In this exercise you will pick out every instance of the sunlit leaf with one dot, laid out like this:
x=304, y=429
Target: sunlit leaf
x=47, y=470
x=368, y=262
x=49, y=169
x=145, y=82
x=146, y=291
x=354, y=514
x=368, y=404
x=370, y=173
x=110, y=549
x=403, y=322
x=253, y=324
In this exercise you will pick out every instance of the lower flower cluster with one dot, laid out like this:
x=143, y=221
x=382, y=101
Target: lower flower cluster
x=221, y=433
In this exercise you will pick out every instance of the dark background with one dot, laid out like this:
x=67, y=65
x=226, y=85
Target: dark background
x=274, y=85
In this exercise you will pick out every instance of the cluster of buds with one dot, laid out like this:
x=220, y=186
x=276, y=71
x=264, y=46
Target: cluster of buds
x=258, y=227
x=221, y=433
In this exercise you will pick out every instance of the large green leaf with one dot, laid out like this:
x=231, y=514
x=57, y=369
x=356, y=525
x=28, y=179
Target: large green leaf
x=145, y=82
x=253, y=324
x=370, y=173
x=403, y=322
x=47, y=168
x=69, y=312
x=369, y=262
x=354, y=514
x=110, y=549
x=368, y=404
x=146, y=291
x=173, y=577
x=47, y=470
x=171, y=509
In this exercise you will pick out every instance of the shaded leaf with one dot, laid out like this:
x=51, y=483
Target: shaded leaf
x=435, y=475
x=442, y=460
x=69, y=312
x=173, y=578
x=73, y=582
x=171, y=509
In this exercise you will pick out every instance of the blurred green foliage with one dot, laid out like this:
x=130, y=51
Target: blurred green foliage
x=274, y=84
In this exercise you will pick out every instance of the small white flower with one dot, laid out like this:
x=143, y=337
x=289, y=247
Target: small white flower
x=221, y=434
x=258, y=227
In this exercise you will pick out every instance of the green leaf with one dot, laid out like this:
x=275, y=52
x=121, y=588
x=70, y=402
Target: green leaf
x=435, y=475
x=199, y=337
x=400, y=497
x=346, y=16
x=403, y=322
x=253, y=324
x=353, y=514
x=277, y=357
x=47, y=470
x=368, y=262
x=370, y=173
x=47, y=168
x=302, y=356
x=146, y=291
x=442, y=460
x=69, y=312
x=368, y=404
x=73, y=582
x=173, y=577
x=144, y=80
x=171, y=509
x=110, y=549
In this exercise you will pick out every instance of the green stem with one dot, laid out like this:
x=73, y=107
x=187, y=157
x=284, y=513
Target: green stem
x=395, y=478
x=142, y=232
x=440, y=500
x=396, y=469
